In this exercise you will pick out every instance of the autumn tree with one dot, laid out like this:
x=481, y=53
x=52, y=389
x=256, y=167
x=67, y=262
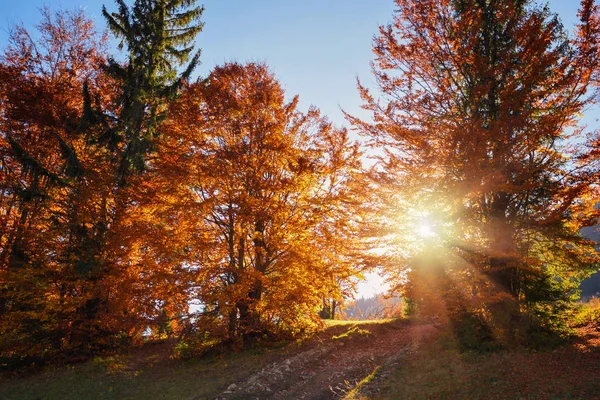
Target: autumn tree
x=478, y=102
x=159, y=39
x=267, y=185
x=76, y=131
x=46, y=199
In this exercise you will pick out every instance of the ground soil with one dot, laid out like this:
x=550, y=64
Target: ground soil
x=335, y=363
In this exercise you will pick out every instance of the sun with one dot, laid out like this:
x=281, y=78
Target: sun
x=425, y=230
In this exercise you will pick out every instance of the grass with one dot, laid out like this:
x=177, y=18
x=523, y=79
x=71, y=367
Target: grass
x=353, y=331
x=334, y=322
x=114, y=378
x=341, y=330
x=354, y=394
x=434, y=369
x=439, y=371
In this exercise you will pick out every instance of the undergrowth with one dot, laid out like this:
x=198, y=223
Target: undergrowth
x=587, y=313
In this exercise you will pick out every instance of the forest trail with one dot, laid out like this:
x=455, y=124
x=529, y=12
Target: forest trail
x=341, y=358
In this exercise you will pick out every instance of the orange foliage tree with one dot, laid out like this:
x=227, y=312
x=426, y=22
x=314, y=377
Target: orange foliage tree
x=271, y=197
x=478, y=102
x=51, y=168
x=76, y=130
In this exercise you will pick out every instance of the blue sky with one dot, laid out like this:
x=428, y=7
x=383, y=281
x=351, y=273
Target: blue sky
x=316, y=48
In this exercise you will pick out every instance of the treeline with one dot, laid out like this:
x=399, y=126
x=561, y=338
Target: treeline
x=379, y=306
x=591, y=286
x=130, y=192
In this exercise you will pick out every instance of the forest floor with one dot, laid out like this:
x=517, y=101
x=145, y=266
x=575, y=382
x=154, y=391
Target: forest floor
x=388, y=359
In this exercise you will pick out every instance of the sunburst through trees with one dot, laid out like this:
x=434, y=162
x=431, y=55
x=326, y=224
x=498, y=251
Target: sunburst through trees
x=129, y=192
x=479, y=101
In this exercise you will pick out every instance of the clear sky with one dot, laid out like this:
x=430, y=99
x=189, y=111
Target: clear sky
x=316, y=48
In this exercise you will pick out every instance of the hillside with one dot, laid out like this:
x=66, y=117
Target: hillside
x=386, y=359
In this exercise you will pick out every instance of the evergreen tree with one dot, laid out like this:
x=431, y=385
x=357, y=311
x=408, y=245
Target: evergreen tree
x=159, y=36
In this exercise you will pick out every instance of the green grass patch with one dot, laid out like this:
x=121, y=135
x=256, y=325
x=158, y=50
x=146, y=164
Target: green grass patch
x=115, y=378
x=353, y=331
x=336, y=322
x=354, y=394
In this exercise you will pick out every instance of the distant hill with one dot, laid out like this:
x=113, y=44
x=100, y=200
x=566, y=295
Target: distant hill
x=591, y=286
x=376, y=307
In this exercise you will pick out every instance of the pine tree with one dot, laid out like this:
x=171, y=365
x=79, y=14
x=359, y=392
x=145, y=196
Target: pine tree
x=159, y=37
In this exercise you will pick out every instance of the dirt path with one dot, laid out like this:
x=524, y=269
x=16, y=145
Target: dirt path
x=342, y=357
